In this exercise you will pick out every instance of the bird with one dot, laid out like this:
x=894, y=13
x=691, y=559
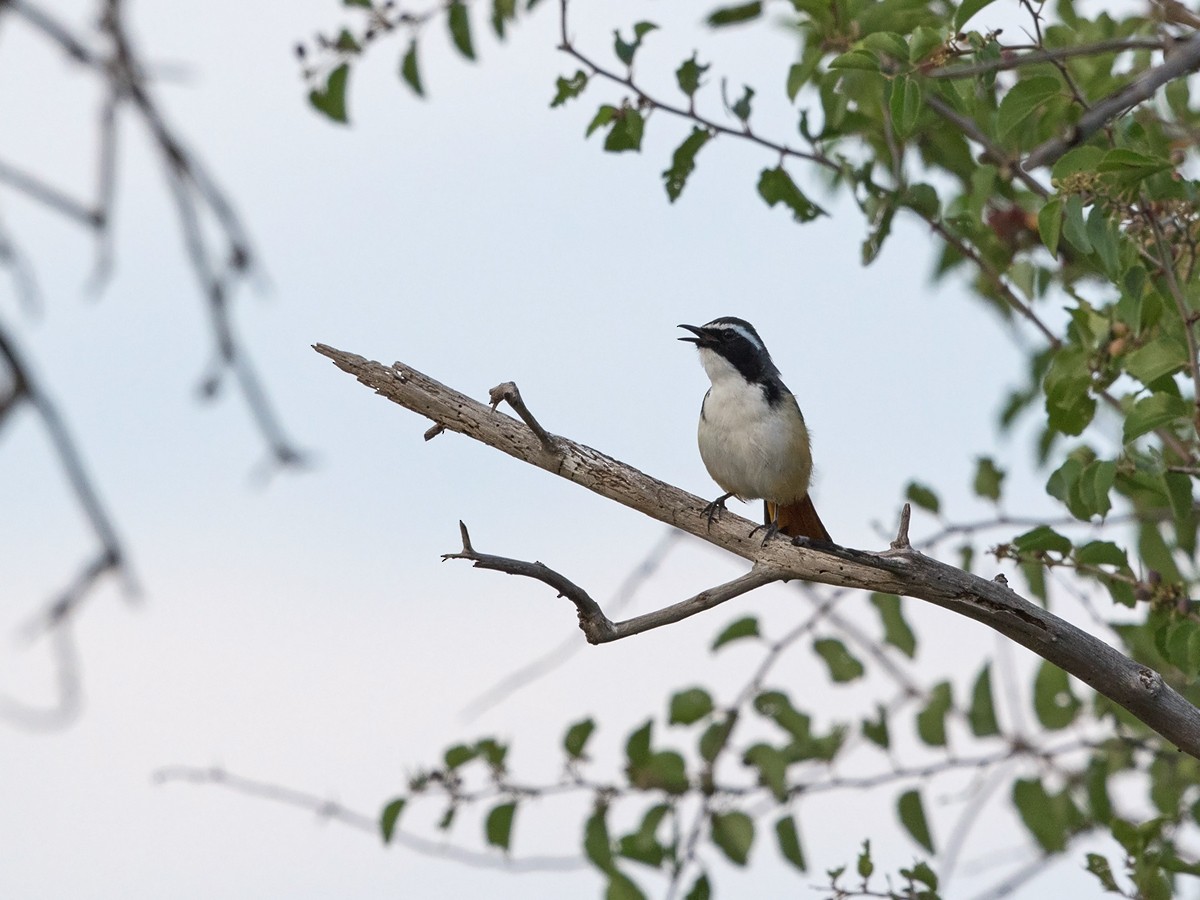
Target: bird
x=752, y=435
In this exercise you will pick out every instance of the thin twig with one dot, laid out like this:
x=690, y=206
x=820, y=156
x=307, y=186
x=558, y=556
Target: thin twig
x=1014, y=61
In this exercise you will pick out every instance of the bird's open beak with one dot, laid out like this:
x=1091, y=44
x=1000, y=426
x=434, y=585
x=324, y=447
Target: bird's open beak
x=700, y=336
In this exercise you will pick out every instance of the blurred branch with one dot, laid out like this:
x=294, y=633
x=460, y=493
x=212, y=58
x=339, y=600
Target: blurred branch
x=331, y=810
x=907, y=572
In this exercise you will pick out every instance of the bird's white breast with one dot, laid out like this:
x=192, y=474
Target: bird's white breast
x=749, y=447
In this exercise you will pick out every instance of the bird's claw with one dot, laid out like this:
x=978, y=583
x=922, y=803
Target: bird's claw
x=770, y=529
x=712, y=512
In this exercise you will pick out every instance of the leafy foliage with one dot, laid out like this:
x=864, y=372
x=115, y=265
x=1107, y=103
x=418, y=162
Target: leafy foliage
x=1063, y=205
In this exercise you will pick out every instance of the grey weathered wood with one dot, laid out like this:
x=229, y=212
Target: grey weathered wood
x=901, y=570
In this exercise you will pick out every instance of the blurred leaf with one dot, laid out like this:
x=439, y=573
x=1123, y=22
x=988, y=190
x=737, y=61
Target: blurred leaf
x=622, y=887
x=1023, y=101
x=776, y=186
x=389, y=818
x=460, y=28
x=1101, y=553
x=733, y=832
x=626, y=131
x=690, y=706
x=905, y=105
x=331, y=99
x=1098, y=866
x=701, y=889
x=966, y=10
x=603, y=116
x=876, y=730
x=988, y=478
x=458, y=755
x=912, y=817
x=745, y=627
x=577, y=736
x=855, y=59
x=733, y=15
x=772, y=769
x=1040, y=814
x=596, y=842
x=626, y=51
x=788, y=837
x=1160, y=357
x=409, y=70
x=499, y=825
x=683, y=162
x=1055, y=705
x=742, y=107
x=931, y=721
x=1043, y=538
x=1067, y=385
x=842, y=665
x=503, y=11
x=1050, y=219
x=982, y=714
x=895, y=630
x=923, y=497
x=643, y=845
x=569, y=88
x=688, y=75
x=1153, y=412
x=637, y=748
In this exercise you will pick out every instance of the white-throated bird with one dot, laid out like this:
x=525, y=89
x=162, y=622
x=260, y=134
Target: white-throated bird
x=752, y=436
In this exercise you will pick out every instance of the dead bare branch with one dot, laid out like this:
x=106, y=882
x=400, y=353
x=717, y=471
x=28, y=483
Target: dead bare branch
x=907, y=572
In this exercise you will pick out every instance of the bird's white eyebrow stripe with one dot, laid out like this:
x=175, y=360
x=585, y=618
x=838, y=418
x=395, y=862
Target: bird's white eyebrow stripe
x=740, y=330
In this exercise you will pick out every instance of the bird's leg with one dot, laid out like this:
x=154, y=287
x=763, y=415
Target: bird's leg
x=713, y=510
x=770, y=528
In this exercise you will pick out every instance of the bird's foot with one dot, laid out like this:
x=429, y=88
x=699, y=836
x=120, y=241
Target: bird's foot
x=713, y=511
x=769, y=531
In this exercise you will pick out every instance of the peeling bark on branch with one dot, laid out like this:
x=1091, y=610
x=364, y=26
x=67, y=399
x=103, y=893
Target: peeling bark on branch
x=900, y=570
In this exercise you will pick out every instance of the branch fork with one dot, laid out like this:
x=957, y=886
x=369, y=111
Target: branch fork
x=898, y=570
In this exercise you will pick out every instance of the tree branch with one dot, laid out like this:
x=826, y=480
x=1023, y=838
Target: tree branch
x=1137, y=688
x=1183, y=59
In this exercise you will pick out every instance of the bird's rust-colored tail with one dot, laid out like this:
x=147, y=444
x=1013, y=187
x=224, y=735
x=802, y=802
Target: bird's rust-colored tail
x=799, y=519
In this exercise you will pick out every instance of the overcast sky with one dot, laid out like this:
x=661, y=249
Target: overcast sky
x=304, y=631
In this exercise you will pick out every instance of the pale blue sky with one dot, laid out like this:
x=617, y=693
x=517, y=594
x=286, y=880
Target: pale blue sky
x=306, y=632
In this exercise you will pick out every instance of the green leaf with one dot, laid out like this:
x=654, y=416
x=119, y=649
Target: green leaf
x=715, y=736
x=1102, y=553
x=772, y=768
x=866, y=868
x=460, y=28
x=596, y=842
x=982, y=714
x=1154, y=412
x=856, y=59
x=389, y=817
x=688, y=75
x=409, y=70
x=912, y=817
x=931, y=721
x=664, y=771
x=604, y=115
x=626, y=51
x=1074, y=227
x=745, y=627
x=690, y=706
x=643, y=845
x=1050, y=219
x=788, y=837
x=363, y=3
x=733, y=832
x=895, y=630
x=876, y=730
x=503, y=11
x=1081, y=159
x=1023, y=101
x=966, y=10
x=1040, y=814
x=622, y=887
x=922, y=496
x=577, y=736
x=741, y=108
x=1067, y=384
x=458, y=755
x=1098, y=866
x=776, y=186
x=626, y=131
x=905, y=105
x=1094, y=483
x=1055, y=705
x=331, y=99
x=569, y=88
x=499, y=825
x=1160, y=357
x=733, y=15
x=842, y=665
x=887, y=45
x=683, y=162
x=988, y=478
x=701, y=889
x=637, y=748
x=1043, y=538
